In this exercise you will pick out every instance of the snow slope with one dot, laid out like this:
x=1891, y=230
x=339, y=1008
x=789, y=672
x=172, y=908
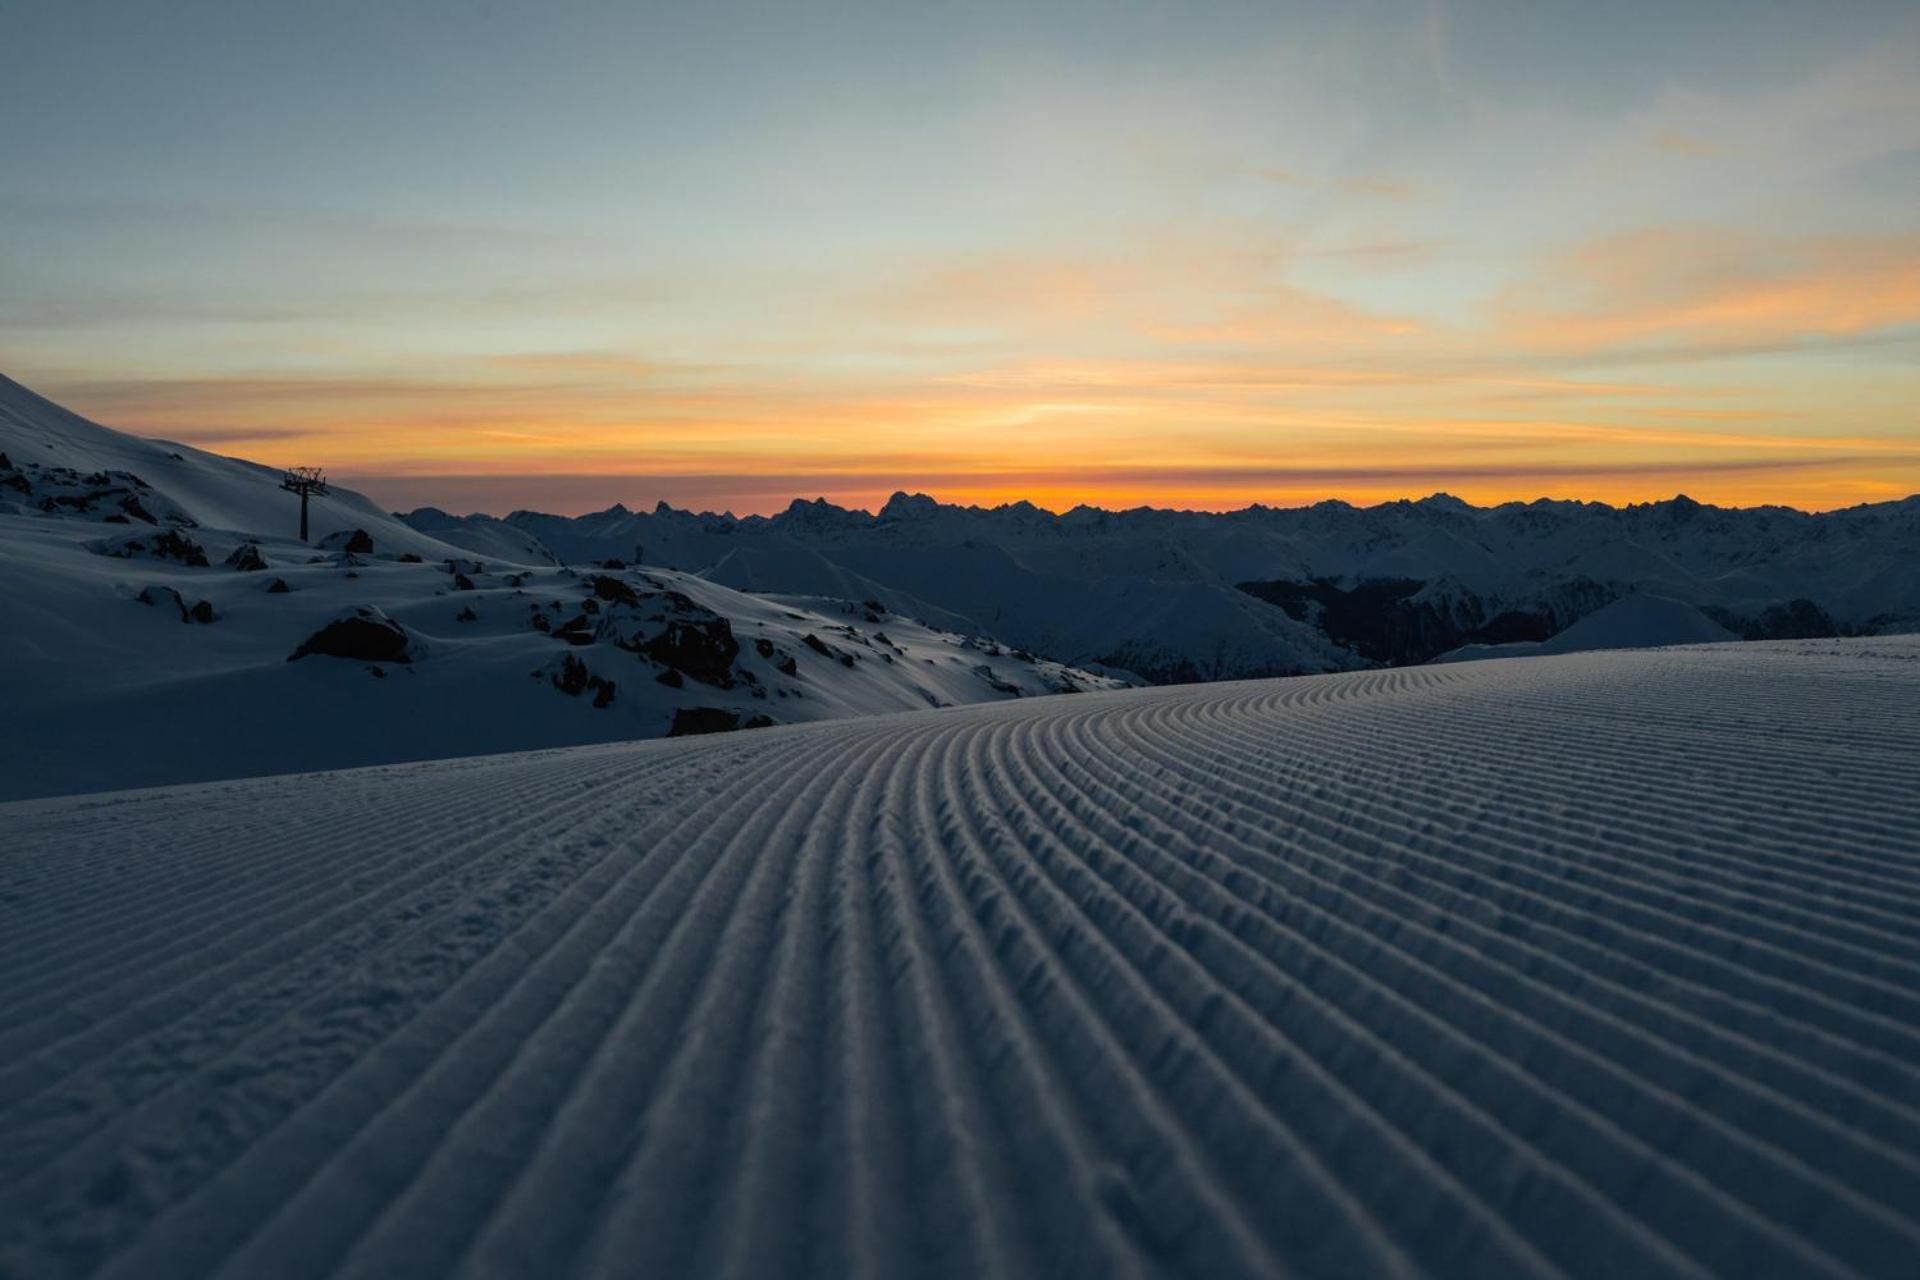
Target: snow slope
x=210, y=490
x=106, y=682
x=1631, y=622
x=1597, y=966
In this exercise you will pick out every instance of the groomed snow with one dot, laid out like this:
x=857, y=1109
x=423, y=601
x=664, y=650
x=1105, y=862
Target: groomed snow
x=1604, y=965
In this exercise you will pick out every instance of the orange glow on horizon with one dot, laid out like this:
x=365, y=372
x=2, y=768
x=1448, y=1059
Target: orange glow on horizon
x=1629, y=369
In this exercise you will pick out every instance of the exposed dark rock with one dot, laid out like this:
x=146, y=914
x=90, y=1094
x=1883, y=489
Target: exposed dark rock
x=575, y=630
x=613, y=562
x=351, y=541
x=826, y=650
x=164, y=597
x=994, y=682
x=278, y=587
x=1799, y=619
x=782, y=661
x=1404, y=621
x=131, y=505
x=1514, y=625
x=169, y=544
x=246, y=558
x=466, y=615
x=571, y=678
x=703, y=649
x=672, y=679
x=409, y=557
x=202, y=612
x=461, y=582
x=693, y=720
x=364, y=634
x=613, y=590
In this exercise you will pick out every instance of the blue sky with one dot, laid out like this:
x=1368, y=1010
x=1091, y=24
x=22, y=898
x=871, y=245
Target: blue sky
x=1111, y=252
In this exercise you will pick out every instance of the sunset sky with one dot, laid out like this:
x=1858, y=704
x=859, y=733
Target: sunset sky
x=498, y=255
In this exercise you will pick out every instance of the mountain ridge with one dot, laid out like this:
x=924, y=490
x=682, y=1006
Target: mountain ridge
x=1160, y=591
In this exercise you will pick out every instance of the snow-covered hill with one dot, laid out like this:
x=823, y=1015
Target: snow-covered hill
x=58, y=463
x=1593, y=966
x=1170, y=594
x=153, y=596
x=1631, y=622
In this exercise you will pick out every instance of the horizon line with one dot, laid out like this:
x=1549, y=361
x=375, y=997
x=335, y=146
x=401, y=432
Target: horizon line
x=821, y=501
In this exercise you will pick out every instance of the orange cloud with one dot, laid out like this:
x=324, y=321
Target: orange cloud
x=1290, y=317
x=1709, y=292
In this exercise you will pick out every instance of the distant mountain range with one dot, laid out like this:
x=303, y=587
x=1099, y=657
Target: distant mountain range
x=1178, y=595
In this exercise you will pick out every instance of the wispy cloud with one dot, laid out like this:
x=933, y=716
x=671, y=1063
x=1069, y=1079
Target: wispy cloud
x=1705, y=291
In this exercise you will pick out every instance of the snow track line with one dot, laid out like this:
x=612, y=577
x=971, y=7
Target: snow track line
x=1371, y=824
x=1582, y=967
x=1409, y=1016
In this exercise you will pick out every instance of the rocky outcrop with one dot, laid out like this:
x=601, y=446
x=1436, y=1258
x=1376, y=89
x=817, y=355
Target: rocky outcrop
x=110, y=497
x=164, y=598
x=994, y=682
x=351, y=541
x=703, y=649
x=168, y=544
x=675, y=631
x=826, y=650
x=171, y=601
x=613, y=590
x=573, y=678
x=246, y=558
x=364, y=634
x=781, y=660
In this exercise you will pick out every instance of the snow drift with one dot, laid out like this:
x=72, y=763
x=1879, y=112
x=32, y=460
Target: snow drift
x=1596, y=966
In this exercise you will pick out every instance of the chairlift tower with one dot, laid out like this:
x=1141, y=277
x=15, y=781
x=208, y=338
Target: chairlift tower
x=305, y=481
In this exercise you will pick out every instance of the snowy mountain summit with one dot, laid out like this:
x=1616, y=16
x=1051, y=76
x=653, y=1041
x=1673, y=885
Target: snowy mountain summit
x=1180, y=595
